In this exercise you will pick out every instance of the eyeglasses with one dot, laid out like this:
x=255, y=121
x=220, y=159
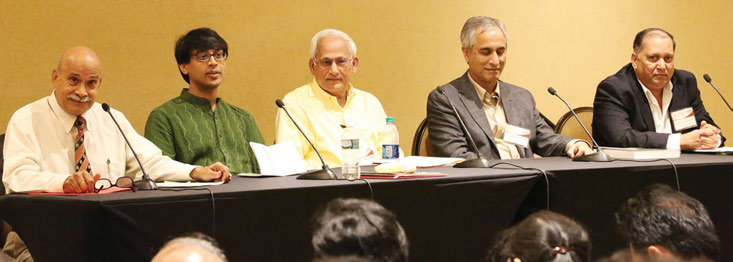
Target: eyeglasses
x=327, y=63
x=104, y=183
x=206, y=56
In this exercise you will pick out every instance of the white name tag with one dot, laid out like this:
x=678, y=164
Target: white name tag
x=516, y=135
x=684, y=119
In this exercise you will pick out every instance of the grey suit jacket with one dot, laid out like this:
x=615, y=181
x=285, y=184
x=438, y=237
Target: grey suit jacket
x=449, y=139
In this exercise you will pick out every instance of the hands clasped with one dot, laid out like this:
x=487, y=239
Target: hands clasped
x=707, y=137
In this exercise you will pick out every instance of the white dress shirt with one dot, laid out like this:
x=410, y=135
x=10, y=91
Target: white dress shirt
x=660, y=115
x=39, y=148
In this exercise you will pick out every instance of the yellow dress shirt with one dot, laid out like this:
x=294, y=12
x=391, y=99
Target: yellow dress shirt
x=494, y=110
x=321, y=117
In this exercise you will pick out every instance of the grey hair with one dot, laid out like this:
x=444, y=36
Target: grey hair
x=332, y=32
x=199, y=240
x=468, y=33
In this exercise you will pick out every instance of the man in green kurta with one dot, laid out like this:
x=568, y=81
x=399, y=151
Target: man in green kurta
x=198, y=127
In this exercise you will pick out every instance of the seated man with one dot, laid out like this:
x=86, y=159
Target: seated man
x=649, y=104
x=501, y=117
x=195, y=247
x=661, y=224
x=198, y=127
x=358, y=230
x=329, y=102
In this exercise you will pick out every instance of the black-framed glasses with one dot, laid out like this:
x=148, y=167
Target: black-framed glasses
x=327, y=63
x=104, y=183
x=206, y=56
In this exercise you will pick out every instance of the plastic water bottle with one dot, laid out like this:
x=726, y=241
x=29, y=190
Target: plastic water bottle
x=390, y=141
x=350, y=154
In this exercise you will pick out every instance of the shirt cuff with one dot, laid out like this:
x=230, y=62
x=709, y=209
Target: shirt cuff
x=673, y=141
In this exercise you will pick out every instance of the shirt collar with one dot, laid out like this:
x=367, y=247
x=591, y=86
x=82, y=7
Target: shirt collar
x=199, y=101
x=67, y=120
x=666, y=91
x=481, y=91
x=318, y=92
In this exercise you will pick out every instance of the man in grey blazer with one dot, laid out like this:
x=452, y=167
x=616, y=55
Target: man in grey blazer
x=501, y=117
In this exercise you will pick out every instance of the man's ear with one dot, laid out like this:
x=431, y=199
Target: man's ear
x=633, y=60
x=466, y=53
x=183, y=68
x=312, y=66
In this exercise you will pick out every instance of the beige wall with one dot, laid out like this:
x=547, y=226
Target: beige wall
x=406, y=48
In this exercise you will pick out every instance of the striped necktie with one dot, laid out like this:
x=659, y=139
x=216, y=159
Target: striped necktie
x=80, y=152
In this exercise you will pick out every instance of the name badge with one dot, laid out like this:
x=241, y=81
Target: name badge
x=516, y=135
x=684, y=119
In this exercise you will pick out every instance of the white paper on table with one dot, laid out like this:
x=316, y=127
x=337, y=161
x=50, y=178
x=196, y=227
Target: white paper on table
x=280, y=159
x=187, y=184
x=429, y=161
x=726, y=149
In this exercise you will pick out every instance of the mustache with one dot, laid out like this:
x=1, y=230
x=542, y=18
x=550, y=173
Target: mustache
x=77, y=98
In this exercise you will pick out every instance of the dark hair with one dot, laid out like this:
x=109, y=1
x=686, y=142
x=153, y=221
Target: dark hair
x=199, y=39
x=358, y=228
x=543, y=236
x=639, y=39
x=661, y=216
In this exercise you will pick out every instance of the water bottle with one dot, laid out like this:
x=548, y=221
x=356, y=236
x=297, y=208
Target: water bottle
x=350, y=154
x=390, y=141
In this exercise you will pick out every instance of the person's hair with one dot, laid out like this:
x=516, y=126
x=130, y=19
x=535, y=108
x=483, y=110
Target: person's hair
x=358, y=228
x=659, y=215
x=639, y=39
x=200, y=240
x=332, y=32
x=482, y=23
x=541, y=237
x=199, y=40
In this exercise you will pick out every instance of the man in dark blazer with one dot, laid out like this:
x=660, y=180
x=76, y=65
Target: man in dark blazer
x=649, y=104
x=501, y=117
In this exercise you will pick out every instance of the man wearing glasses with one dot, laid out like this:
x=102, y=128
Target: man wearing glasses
x=198, y=127
x=329, y=102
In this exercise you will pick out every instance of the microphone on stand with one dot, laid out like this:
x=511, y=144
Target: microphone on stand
x=146, y=183
x=599, y=155
x=325, y=173
x=479, y=162
x=710, y=81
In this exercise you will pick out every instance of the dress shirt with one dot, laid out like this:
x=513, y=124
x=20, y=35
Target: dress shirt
x=660, y=114
x=39, y=148
x=187, y=130
x=494, y=110
x=321, y=116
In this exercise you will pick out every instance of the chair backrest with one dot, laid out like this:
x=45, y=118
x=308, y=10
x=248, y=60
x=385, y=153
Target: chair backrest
x=421, y=145
x=569, y=127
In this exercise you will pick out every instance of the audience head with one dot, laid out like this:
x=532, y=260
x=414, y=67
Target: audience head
x=191, y=52
x=484, y=44
x=195, y=247
x=358, y=230
x=76, y=79
x=541, y=237
x=333, y=61
x=661, y=224
x=653, y=57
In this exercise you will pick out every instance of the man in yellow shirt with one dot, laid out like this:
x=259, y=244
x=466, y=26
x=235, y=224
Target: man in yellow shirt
x=329, y=102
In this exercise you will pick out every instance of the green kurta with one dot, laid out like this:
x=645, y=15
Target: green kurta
x=186, y=130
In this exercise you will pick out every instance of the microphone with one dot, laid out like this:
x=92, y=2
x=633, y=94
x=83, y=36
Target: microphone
x=710, y=81
x=599, y=155
x=146, y=183
x=479, y=162
x=325, y=173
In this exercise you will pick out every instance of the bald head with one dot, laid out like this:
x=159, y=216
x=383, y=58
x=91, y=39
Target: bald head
x=76, y=79
x=195, y=247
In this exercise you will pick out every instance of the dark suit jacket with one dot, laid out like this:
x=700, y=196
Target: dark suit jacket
x=449, y=140
x=621, y=114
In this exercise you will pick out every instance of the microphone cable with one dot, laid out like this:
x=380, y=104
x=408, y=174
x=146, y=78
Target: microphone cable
x=371, y=191
x=544, y=174
x=674, y=167
x=213, y=203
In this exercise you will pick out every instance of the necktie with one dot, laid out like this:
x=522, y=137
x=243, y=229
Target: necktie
x=80, y=152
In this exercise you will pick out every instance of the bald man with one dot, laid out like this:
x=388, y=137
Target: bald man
x=196, y=247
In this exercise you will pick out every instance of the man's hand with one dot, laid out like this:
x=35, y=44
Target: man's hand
x=579, y=148
x=80, y=182
x=707, y=137
x=216, y=172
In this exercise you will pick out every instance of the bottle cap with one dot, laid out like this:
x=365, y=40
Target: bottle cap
x=390, y=119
